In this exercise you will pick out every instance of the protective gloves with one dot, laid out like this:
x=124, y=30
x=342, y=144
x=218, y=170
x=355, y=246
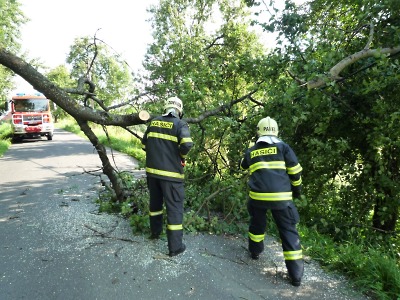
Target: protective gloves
x=296, y=194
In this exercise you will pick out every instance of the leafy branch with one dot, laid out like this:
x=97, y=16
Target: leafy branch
x=334, y=72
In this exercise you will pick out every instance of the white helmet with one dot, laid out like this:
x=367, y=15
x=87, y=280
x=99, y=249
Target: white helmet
x=174, y=103
x=267, y=126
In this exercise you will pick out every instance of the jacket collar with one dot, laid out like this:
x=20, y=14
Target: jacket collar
x=270, y=139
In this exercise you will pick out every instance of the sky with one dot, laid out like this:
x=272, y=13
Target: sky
x=54, y=25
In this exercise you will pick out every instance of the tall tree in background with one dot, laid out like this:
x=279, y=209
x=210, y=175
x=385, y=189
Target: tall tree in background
x=11, y=18
x=347, y=121
x=108, y=73
x=331, y=83
x=206, y=53
x=62, y=77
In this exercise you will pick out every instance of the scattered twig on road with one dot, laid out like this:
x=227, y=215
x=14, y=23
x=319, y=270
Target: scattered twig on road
x=162, y=256
x=241, y=262
x=94, y=244
x=117, y=251
x=105, y=235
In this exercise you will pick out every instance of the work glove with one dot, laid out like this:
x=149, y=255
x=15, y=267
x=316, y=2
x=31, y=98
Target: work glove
x=183, y=162
x=296, y=194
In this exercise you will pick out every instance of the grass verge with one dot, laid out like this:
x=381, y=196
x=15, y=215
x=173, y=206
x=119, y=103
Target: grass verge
x=375, y=273
x=5, y=137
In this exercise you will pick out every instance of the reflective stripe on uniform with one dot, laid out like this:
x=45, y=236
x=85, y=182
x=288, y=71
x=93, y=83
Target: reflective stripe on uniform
x=296, y=182
x=186, y=140
x=267, y=165
x=163, y=136
x=256, y=237
x=156, y=213
x=271, y=196
x=294, y=170
x=175, y=227
x=293, y=255
x=165, y=173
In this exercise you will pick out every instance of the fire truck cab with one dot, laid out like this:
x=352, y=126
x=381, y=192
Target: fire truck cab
x=31, y=116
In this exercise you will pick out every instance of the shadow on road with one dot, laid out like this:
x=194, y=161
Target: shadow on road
x=55, y=244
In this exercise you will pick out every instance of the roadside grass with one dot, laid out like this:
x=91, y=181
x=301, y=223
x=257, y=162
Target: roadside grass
x=375, y=272
x=5, y=137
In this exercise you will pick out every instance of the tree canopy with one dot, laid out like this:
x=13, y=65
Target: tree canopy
x=331, y=82
x=346, y=53
x=11, y=18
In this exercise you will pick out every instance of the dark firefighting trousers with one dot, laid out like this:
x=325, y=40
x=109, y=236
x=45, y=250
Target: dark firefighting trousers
x=286, y=220
x=173, y=193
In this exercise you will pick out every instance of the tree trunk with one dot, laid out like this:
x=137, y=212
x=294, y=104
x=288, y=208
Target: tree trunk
x=108, y=170
x=81, y=114
x=387, y=221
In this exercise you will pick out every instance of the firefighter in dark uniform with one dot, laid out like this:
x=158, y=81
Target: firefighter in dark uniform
x=167, y=141
x=275, y=179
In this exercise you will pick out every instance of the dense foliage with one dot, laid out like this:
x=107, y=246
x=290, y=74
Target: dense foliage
x=109, y=75
x=334, y=99
x=206, y=53
x=352, y=145
x=345, y=132
x=5, y=136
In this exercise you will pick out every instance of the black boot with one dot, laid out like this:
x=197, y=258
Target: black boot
x=179, y=251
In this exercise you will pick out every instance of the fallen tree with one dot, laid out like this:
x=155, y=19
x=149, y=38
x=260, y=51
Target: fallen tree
x=80, y=113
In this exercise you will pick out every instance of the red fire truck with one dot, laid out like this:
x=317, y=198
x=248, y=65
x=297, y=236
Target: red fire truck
x=31, y=116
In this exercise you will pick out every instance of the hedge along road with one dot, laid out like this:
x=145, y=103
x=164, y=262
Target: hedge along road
x=55, y=244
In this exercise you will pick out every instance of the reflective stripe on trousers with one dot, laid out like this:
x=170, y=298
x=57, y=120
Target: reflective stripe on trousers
x=286, y=220
x=172, y=193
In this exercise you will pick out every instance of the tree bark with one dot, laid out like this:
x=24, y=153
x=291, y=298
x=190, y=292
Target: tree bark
x=116, y=183
x=386, y=223
x=80, y=113
x=334, y=72
x=63, y=99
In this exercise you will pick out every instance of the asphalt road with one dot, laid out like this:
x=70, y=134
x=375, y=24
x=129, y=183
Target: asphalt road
x=55, y=244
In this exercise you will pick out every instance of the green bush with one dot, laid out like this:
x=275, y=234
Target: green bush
x=373, y=271
x=5, y=137
x=370, y=270
x=5, y=130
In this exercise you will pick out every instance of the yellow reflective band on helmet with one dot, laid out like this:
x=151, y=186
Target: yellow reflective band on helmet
x=267, y=165
x=175, y=227
x=165, y=173
x=271, y=196
x=186, y=140
x=294, y=170
x=256, y=237
x=163, y=136
x=296, y=182
x=155, y=213
x=293, y=255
